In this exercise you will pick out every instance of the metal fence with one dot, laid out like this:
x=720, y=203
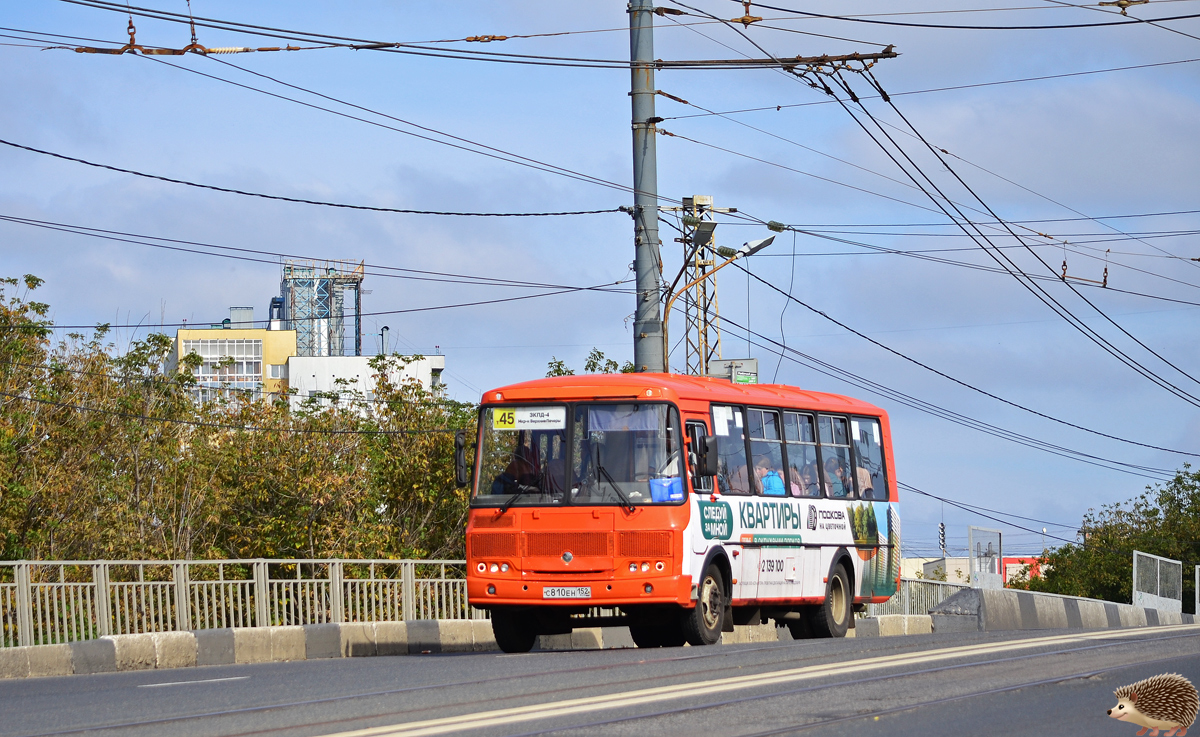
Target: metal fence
x=47, y=602
x=915, y=596
x=1157, y=582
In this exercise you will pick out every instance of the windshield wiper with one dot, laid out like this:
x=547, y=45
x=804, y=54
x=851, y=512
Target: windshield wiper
x=521, y=489
x=609, y=478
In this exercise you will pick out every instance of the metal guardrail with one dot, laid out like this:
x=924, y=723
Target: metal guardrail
x=45, y=602
x=915, y=596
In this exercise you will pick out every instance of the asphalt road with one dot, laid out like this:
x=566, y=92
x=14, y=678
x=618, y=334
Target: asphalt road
x=1049, y=682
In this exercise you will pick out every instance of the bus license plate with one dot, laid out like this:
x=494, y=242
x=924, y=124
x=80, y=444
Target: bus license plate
x=566, y=592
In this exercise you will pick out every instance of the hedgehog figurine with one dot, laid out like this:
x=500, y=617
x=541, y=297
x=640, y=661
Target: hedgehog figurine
x=1167, y=702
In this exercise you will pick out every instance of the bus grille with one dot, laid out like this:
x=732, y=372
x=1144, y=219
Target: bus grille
x=554, y=544
x=645, y=544
x=494, y=544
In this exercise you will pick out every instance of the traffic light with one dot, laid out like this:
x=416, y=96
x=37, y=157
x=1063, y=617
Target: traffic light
x=942, y=537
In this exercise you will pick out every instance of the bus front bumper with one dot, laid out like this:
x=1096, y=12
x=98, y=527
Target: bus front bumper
x=486, y=592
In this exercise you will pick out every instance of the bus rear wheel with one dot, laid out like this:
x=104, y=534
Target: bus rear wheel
x=832, y=617
x=513, y=633
x=702, y=625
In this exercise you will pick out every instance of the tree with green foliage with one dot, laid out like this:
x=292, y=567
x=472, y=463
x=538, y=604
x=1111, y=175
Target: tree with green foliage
x=596, y=364
x=1164, y=520
x=104, y=455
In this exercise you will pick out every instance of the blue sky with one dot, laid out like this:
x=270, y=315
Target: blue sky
x=1111, y=143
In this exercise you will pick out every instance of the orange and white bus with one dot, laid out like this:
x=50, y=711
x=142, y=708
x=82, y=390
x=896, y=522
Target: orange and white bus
x=686, y=504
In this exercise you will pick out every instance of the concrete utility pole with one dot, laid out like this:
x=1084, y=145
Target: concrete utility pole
x=647, y=319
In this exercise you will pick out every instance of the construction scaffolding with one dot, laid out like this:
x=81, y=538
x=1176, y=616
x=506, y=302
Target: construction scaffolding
x=313, y=295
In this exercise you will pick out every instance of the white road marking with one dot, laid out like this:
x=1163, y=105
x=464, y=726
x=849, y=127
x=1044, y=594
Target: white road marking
x=567, y=707
x=185, y=683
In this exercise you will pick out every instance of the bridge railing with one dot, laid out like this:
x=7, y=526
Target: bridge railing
x=46, y=602
x=915, y=596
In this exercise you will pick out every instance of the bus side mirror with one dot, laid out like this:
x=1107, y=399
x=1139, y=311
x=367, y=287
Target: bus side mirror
x=706, y=456
x=462, y=475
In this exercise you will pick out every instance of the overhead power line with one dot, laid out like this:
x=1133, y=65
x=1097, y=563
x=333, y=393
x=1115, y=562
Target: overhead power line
x=433, y=308
x=1128, y=21
x=967, y=508
x=842, y=374
x=945, y=89
x=298, y=200
x=219, y=425
x=960, y=382
x=422, y=49
x=1042, y=294
x=961, y=219
x=394, y=272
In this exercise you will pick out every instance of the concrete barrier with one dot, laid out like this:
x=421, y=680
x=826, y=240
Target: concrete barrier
x=991, y=610
x=971, y=610
x=891, y=625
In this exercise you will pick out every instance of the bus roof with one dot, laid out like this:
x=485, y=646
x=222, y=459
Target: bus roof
x=673, y=387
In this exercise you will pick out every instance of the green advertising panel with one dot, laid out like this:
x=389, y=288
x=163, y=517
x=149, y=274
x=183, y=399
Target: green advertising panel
x=716, y=520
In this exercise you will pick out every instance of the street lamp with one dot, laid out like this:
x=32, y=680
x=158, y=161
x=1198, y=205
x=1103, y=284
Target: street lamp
x=731, y=255
x=383, y=340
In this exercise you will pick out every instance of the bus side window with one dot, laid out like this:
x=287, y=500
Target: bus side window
x=733, y=475
x=869, y=470
x=835, y=452
x=695, y=431
x=804, y=475
x=766, y=452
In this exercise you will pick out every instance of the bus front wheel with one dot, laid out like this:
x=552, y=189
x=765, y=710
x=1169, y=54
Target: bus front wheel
x=702, y=624
x=832, y=617
x=513, y=632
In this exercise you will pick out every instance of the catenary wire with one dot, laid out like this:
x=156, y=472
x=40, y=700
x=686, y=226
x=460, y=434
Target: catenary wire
x=1130, y=20
x=950, y=88
x=415, y=274
x=841, y=374
x=1037, y=256
x=962, y=220
x=972, y=387
x=407, y=48
x=1000, y=258
x=782, y=138
x=411, y=310
x=219, y=425
x=298, y=200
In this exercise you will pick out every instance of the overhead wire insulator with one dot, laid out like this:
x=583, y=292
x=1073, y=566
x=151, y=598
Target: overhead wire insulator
x=746, y=19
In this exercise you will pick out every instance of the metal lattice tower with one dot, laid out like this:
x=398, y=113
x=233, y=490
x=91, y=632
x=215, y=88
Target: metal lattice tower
x=702, y=320
x=314, y=301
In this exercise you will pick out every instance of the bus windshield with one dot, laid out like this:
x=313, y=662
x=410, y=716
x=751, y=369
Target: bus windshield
x=626, y=454
x=620, y=454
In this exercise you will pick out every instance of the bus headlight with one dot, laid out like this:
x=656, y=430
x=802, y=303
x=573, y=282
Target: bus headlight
x=632, y=567
x=659, y=566
x=482, y=567
x=645, y=567
x=504, y=568
x=494, y=568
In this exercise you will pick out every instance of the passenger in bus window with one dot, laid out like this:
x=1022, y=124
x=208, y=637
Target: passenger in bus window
x=837, y=481
x=736, y=481
x=805, y=481
x=865, y=486
x=769, y=480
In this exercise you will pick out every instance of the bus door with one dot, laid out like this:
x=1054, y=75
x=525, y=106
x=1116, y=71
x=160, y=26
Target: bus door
x=702, y=486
